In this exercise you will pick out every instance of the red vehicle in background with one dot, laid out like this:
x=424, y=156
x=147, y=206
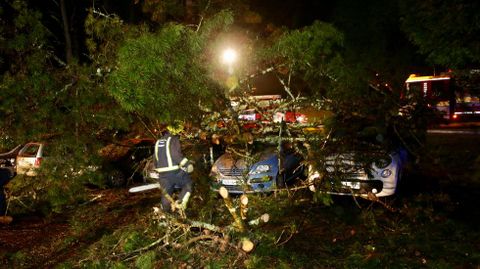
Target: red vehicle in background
x=454, y=104
x=269, y=114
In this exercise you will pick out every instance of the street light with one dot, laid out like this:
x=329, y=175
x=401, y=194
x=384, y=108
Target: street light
x=229, y=57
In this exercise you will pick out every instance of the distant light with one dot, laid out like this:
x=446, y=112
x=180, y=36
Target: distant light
x=229, y=56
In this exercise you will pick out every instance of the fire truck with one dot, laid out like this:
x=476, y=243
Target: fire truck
x=453, y=103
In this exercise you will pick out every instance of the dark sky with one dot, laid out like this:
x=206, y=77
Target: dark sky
x=371, y=27
x=292, y=13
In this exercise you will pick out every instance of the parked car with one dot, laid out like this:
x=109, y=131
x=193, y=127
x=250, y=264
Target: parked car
x=29, y=158
x=272, y=170
x=120, y=161
x=126, y=161
x=345, y=176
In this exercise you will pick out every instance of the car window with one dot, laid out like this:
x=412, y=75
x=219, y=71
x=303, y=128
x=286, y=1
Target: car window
x=44, y=151
x=30, y=150
x=142, y=152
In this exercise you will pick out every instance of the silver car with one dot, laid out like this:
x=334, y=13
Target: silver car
x=29, y=158
x=345, y=176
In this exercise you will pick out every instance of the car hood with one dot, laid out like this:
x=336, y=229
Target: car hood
x=231, y=160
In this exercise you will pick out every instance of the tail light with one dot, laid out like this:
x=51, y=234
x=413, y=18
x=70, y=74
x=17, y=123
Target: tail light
x=38, y=161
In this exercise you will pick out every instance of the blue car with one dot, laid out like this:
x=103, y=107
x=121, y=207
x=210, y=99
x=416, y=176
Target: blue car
x=264, y=171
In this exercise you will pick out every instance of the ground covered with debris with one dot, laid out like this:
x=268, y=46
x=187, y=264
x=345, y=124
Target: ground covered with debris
x=432, y=224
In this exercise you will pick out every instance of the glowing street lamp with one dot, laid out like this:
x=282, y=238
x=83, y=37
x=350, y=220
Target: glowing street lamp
x=229, y=57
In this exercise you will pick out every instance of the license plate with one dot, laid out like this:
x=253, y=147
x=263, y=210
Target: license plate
x=230, y=182
x=353, y=185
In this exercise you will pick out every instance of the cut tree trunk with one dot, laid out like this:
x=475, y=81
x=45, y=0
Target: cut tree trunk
x=231, y=208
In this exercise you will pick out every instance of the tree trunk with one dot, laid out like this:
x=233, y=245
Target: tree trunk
x=68, y=39
x=189, y=11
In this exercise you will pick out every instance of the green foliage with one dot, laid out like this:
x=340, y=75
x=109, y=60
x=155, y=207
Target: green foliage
x=65, y=106
x=313, y=53
x=322, y=198
x=119, y=265
x=26, y=74
x=162, y=75
x=146, y=261
x=60, y=180
x=105, y=34
x=445, y=31
x=19, y=259
x=219, y=23
x=133, y=241
x=44, y=194
x=66, y=265
x=47, y=100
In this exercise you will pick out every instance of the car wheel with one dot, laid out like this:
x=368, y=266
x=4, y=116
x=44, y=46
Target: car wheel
x=116, y=179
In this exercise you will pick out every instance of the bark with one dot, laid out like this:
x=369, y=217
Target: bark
x=231, y=208
x=244, y=206
x=68, y=38
x=247, y=245
x=262, y=219
x=189, y=11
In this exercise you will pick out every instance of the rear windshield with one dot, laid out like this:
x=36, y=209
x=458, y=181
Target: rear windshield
x=30, y=150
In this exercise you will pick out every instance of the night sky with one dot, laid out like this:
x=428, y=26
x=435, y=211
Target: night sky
x=372, y=28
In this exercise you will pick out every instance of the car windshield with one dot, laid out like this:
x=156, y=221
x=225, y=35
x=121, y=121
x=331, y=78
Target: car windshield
x=256, y=152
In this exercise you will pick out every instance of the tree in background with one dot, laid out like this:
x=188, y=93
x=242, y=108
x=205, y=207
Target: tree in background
x=444, y=31
x=28, y=72
x=374, y=40
x=43, y=99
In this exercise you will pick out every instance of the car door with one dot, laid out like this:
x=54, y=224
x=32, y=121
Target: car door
x=29, y=159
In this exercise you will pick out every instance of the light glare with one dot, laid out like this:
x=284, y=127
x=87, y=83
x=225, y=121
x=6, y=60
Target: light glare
x=229, y=56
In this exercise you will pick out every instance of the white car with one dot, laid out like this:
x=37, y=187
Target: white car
x=29, y=158
x=344, y=176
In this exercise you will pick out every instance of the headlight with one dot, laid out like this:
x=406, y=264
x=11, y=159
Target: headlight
x=260, y=180
x=386, y=173
x=262, y=168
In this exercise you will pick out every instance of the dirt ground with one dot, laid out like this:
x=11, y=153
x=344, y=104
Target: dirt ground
x=41, y=240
